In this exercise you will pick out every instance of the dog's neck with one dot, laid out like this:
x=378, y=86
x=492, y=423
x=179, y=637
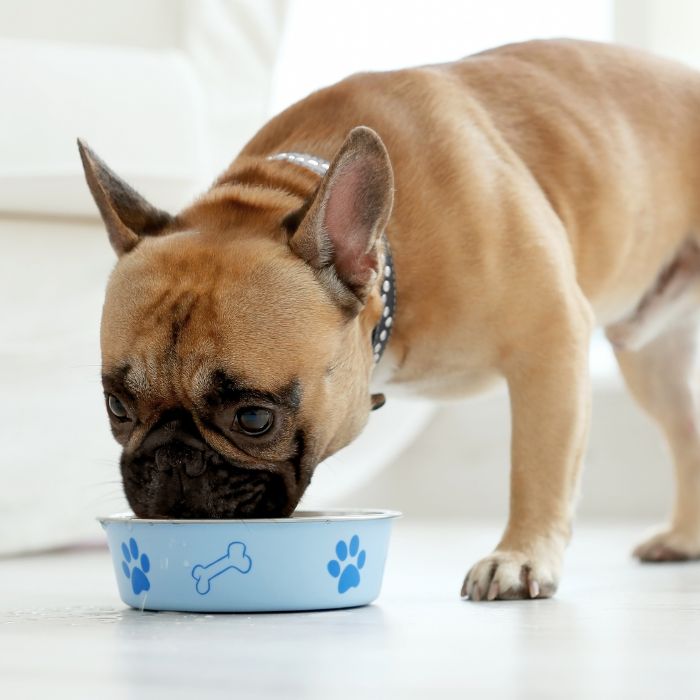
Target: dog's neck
x=386, y=279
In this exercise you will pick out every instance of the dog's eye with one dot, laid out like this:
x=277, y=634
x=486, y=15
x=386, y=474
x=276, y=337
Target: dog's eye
x=116, y=407
x=253, y=420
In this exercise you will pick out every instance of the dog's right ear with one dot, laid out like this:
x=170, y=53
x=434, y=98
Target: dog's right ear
x=126, y=214
x=338, y=232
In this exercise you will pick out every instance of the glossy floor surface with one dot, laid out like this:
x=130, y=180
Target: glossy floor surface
x=617, y=629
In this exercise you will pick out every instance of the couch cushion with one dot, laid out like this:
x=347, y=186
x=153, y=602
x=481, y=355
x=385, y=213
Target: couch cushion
x=141, y=110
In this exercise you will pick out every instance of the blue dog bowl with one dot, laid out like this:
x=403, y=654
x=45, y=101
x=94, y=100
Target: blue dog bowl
x=310, y=561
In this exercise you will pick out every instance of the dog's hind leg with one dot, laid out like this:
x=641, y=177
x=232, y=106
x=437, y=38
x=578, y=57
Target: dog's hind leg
x=674, y=296
x=663, y=378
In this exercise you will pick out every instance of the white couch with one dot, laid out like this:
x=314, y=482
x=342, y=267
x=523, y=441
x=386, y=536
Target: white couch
x=166, y=91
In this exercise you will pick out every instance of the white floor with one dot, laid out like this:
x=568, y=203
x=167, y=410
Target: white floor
x=617, y=629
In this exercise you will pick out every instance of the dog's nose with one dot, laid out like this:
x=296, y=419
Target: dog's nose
x=176, y=455
x=175, y=427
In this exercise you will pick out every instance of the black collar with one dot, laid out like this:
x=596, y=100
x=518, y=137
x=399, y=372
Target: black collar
x=382, y=331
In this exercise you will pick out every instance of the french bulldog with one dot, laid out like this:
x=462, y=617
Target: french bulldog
x=487, y=215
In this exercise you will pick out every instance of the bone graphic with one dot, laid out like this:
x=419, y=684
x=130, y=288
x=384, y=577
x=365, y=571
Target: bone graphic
x=235, y=558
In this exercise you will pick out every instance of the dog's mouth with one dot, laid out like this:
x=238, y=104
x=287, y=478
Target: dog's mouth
x=177, y=480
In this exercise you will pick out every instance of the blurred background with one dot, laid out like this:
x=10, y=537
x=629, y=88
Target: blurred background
x=167, y=91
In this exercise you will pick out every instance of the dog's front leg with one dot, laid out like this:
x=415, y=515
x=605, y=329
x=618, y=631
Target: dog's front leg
x=548, y=383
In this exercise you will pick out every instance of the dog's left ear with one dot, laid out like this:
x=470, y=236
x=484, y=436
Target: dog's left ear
x=126, y=214
x=340, y=230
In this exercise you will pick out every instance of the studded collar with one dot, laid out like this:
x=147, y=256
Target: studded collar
x=382, y=331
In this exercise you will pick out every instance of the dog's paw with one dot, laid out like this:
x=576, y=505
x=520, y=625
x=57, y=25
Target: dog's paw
x=512, y=575
x=669, y=544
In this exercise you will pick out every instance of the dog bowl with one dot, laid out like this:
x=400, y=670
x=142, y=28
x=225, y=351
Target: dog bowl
x=310, y=561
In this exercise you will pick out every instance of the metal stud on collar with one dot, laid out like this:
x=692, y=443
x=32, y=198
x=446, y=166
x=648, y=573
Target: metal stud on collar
x=382, y=331
x=316, y=165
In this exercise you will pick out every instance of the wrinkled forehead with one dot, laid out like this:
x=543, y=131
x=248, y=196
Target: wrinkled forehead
x=180, y=312
x=216, y=388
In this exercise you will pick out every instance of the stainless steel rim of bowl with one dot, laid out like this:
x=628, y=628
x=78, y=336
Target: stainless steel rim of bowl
x=331, y=515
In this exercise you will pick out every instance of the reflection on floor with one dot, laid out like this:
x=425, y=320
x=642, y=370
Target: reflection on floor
x=617, y=629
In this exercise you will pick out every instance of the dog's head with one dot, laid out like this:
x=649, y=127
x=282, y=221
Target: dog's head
x=236, y=336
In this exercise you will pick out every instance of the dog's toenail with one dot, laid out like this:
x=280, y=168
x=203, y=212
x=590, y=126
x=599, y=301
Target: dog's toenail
x=534, y=589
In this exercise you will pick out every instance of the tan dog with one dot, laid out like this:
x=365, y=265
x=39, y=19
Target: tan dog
x=539, y=189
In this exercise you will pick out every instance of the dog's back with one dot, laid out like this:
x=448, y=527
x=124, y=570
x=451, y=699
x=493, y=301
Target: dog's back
x=612, y=136
x=608, y=134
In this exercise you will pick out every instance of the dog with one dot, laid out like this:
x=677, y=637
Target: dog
x=438, y=229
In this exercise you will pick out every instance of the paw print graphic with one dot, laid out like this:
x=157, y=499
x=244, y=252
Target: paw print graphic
x=347, y=572
x=135, y=567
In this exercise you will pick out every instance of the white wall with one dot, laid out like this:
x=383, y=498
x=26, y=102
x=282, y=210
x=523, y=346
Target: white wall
x=326, y=41
x=666, y=27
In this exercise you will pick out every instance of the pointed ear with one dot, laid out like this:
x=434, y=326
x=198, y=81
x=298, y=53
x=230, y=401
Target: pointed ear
x=341, y=227
x=126, y=214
